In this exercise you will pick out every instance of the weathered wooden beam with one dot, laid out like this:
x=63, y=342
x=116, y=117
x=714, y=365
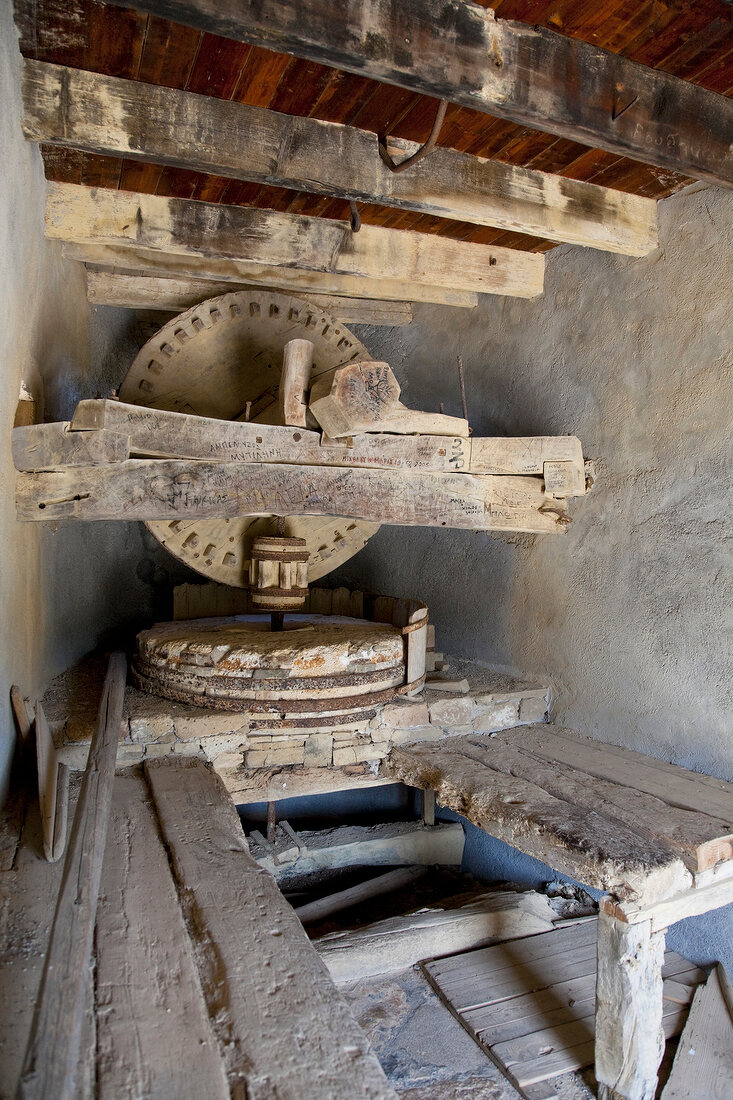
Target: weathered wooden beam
x=186, y=227
x=52, y=1056
x=629, y=1035
x=143, y=291
x=233, y=274
x=173, y=489
x=460, y=51
x=102, y=114
x=43, y=446
x=158, y=433
x=285, y=1029
x=363, y=891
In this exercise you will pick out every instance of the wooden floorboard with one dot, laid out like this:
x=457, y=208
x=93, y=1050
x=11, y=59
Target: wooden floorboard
x=531, y=1003
x=155, y=1038
x=285, y=1029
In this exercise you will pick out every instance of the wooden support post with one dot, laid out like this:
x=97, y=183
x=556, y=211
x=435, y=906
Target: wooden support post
x=428, y=806
x=52, y=1056
x=629, y=1036
x=294, y=380
x=271, y=822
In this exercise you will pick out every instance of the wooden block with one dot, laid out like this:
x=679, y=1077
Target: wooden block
x=44, y=446
x=294, y=382
x=354, y=398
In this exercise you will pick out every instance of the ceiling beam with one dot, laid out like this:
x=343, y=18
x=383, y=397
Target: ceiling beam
x=234, y=273
x=188, y=228
x=145, y=291
x=457, y=50
x=125, y=118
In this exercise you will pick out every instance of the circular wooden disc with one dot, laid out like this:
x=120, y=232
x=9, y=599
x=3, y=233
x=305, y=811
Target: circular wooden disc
x=213, y=359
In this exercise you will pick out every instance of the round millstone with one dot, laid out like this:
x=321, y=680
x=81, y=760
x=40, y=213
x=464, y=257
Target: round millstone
x=317, y=664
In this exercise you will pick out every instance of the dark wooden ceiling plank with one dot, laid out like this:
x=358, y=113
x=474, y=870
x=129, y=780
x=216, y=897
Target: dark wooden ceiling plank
x=260, y=76
x=343, y=97
x=169, y=53
x=300, y=87
x=217, y=66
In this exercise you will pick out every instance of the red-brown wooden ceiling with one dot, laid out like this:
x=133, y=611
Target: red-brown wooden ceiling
x=691, y=40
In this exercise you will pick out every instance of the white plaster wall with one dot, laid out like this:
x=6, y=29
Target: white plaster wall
x=61, y=592
x=630, y=612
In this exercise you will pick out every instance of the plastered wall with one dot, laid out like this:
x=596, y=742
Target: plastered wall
x=630, y=612
x=61, y=592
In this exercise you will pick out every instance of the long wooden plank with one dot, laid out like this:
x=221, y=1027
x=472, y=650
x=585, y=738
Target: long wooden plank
x=581, y=842
x=703, y=1065
x=150, y=1006
x=53, y=1050
x=103, y=114
x=287, y=1031
x=524, y=73
x=156, y=432
x=189, y=228
x=152, y=489
x=673, y=784
x=238, y=272
x=151, y=292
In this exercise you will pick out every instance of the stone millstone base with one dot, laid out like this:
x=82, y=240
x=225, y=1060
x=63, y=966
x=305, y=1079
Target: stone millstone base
x=316, y=666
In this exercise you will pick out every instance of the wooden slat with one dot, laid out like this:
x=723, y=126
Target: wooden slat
x=197, y=229
x=703, y=1065
x=100, y=114
x=287, y=1030
x=587, y=843
x=163, y=489
x=150, y=1007
x=530, y=1002
x=511, y=70
x=52, y=1056
x=238, y=273
x=107, y=288
x=670, y=783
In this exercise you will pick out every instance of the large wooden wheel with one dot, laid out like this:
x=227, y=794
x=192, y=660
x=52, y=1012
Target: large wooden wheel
x=217, y=359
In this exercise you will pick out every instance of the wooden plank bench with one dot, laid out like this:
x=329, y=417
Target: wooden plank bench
x=656, y=837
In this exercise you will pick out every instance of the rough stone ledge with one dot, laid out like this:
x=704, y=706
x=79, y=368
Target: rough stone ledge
x=152, y=726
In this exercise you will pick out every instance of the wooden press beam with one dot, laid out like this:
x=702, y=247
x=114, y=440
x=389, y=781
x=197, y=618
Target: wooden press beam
x=460, y=51
x=232, y=274
x=184, y=227
x=173, y=489
x=144, y=291
x=102, y=114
